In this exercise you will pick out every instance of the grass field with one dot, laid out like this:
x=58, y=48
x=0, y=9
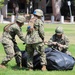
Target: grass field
x=69, y=30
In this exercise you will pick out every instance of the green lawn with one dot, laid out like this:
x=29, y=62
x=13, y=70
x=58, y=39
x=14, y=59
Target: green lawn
x=69, y=30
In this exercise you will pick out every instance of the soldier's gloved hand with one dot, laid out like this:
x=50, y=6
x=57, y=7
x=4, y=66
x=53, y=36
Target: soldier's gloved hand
x=60, y=45
x=54, y=43
x=45, y=42
x=29, y=28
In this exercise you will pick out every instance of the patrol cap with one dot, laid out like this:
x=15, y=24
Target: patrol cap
x=59, y=30
x=38, y=12
x=21, y=19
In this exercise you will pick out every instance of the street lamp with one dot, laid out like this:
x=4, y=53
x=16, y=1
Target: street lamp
x=69, y=4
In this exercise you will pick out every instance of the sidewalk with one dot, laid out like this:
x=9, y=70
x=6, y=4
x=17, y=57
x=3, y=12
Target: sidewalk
x=8, y=20
x=58, y=22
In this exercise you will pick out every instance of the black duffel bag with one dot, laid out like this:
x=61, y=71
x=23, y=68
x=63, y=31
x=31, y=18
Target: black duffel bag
x=56, y=60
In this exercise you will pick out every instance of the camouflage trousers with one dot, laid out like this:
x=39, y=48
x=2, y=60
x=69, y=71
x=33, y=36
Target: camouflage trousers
x=30, y=50
x=11, y=51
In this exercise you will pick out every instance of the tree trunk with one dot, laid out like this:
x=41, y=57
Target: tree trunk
x=0, y=15
x=56, y=5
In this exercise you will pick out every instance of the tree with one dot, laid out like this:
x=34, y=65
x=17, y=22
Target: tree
x=56, y=5
x=1, y=3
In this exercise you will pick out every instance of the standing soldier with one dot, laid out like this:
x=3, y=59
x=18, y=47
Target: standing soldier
x=59, y=41
x=8, y=40
x=35, y=39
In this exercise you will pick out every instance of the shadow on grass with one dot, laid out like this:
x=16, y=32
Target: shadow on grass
x=23, y=68
x=18, y=68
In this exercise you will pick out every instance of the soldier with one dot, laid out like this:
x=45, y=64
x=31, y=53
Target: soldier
x=35, y=39
x=8, y=40
x=59, y=41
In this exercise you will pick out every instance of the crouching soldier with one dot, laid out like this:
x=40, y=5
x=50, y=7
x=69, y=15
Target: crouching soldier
x=35, y=39
x=8, y=40
x=59, y=41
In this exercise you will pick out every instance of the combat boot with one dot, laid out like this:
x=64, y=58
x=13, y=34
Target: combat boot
x=2, y=66
x=20, y=65
x=30, y=69
x=43, y=68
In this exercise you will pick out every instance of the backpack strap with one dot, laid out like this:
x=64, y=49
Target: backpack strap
x=6, y=27
x=31, y=22
x=30, y=27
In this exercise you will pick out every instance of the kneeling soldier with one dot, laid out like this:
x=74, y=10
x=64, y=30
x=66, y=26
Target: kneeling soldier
x=59, y=41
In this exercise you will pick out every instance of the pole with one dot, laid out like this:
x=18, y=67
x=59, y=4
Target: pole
x=69, y=4
x=70, y=11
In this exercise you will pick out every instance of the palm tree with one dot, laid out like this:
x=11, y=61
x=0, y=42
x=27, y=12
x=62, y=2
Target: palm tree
x=56, y=6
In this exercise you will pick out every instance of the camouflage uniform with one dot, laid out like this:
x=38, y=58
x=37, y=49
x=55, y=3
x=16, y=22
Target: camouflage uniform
x=9, y=43
x=63, y=40
x=34, y=41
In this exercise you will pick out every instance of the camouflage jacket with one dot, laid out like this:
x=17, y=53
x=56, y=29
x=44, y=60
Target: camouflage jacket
x=11, y=31
x=63, y=40
x=37, y=35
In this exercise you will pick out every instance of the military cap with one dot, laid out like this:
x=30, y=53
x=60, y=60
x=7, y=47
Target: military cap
x=38, y=12
x=21, y=19
x=59, y=30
